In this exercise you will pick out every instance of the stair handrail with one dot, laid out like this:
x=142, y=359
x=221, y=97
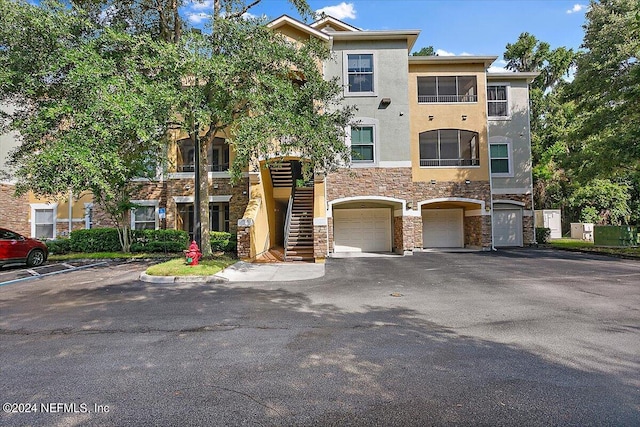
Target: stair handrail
x=287, y=225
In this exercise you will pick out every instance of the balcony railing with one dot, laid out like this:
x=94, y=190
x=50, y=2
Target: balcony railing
x=220, y=167
x=449, y=162
x=447, y=98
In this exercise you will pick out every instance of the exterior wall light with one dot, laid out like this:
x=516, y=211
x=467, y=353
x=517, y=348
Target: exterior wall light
x=464, y=117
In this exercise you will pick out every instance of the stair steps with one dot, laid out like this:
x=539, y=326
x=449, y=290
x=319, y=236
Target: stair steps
x=300, y=237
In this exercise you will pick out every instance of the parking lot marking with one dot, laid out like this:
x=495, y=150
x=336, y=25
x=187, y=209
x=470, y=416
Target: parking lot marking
x=32, y=272
x=38, y=276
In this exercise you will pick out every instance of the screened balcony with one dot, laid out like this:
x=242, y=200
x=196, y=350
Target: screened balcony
x=218, y=156
x=449, y=148
x=447, y=89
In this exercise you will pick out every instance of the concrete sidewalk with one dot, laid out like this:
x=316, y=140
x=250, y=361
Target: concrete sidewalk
x=249, y=272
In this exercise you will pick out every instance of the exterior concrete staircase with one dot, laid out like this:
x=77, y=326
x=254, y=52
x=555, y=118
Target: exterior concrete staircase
x=299, y=230
x=282, y=174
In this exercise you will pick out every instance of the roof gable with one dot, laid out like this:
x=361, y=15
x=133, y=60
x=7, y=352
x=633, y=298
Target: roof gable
x=287, y=21
x=330, y=24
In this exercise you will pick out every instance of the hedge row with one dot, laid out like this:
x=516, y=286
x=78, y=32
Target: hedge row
x=107, y=240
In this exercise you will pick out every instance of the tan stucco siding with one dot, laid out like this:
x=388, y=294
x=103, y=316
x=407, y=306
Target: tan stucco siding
x=448, y=116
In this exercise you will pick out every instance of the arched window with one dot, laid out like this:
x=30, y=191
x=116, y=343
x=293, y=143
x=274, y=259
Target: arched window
x=449, y=147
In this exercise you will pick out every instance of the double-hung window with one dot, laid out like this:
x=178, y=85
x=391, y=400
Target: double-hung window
x=363, y=144
x=44, y=223
x=360, y=77
x=500, y=154
x=145, y=216
x=497, y=101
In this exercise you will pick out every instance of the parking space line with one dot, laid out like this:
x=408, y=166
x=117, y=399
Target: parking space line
x=32, y=272
x=38, y=276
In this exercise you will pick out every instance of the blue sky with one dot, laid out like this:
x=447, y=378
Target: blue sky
x=477, y=27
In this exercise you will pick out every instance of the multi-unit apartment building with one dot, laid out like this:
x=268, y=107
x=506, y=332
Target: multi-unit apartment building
x=441, y=159
x=441, y=155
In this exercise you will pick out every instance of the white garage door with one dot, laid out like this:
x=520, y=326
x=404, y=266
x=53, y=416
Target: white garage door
x=442, y=228
x=507, y=227
x=362, y=230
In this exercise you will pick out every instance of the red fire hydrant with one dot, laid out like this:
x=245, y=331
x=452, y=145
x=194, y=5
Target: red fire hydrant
x=193, y=254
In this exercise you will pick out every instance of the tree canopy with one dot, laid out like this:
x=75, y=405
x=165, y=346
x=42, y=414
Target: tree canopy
x=585, y=131
x=99, y=84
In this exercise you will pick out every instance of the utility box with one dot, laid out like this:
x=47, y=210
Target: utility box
x=582, y=231
x=551, y=219
x=610, y=235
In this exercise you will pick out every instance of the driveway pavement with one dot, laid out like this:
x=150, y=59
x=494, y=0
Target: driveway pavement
x=523, y=337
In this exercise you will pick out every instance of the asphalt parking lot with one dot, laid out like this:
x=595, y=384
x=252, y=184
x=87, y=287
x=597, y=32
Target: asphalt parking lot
x=522, y=337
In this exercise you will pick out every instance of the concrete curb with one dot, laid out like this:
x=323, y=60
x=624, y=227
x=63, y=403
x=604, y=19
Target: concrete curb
x=167, y=280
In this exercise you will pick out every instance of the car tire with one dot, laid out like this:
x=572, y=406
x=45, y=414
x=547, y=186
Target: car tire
x=36, y=258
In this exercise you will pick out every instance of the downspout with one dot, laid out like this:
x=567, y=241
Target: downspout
x=533, y=211
x=493, y=248
x=326, y=208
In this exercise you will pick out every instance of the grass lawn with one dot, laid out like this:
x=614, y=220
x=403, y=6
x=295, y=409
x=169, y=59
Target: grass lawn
x=581, y=245
x=178, y=267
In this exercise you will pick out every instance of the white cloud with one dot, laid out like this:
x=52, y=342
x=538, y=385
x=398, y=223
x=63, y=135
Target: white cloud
x=499, y=67
x=495, y=69
x=466, y=54
x=442, y=52
x=577, y=8
x=340, y=11
x=198, y=18
x=202, y=5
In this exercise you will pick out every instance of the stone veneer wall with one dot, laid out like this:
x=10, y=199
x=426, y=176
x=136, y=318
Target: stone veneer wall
x=528, y=236
x=244, y=242
x=237, y=205
x=62, y=227
x=14, y=211
x=143, y=190
x=320, y=246
x=397, y=183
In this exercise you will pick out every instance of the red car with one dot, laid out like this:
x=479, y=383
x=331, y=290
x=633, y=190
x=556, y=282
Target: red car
x=15, y=248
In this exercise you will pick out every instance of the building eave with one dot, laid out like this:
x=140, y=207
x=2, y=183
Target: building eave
x=466, y=59
x=528, y=76
x=409, y=35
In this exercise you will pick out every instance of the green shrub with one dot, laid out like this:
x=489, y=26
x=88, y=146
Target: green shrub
x=159, y=240
x=95, y=240
x=232, y=246
x=542, y=235
x=219, y=240
x=59, y=246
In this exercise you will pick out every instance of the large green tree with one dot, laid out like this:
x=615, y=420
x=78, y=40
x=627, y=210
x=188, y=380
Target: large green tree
x=551, y=114
x=607, y=91
x=604, y=142
x=91, y=104
x=99, y=87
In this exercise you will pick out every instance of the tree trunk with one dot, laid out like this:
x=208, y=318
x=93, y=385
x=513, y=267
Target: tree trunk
x=205, y=242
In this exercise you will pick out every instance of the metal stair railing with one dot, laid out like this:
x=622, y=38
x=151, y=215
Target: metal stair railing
x=288, y=225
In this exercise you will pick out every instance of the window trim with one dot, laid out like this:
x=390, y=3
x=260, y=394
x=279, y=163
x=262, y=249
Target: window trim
x=501, y=140
x=44, y=206
x=154, y=203
x=365, y=122
x=508, y=100
x=345, y=73
x=452, y=166
x=457, y=76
